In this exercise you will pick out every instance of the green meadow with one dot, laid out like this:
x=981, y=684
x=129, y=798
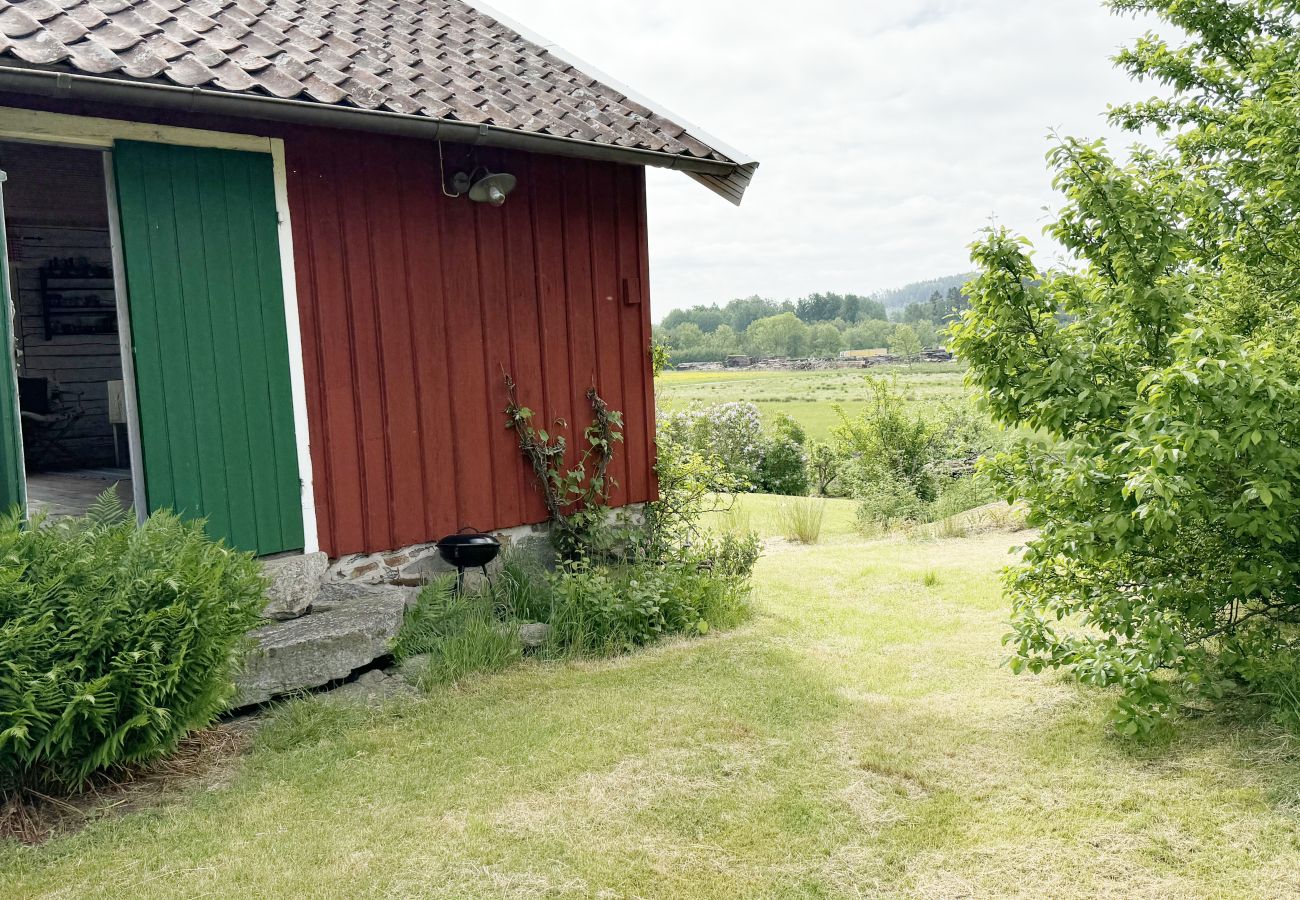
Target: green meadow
x=809, y=397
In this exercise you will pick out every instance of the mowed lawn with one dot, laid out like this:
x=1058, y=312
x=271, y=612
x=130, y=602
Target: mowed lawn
x=808, y=397
x=858, y=738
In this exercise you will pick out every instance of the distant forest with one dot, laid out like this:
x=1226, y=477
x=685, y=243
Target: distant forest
x=903, y=320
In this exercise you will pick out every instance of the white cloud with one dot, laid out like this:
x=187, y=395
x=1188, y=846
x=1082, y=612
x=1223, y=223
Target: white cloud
x=889, y=132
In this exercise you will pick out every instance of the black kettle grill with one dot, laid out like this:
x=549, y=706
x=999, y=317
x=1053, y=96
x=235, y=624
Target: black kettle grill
x=468, y=549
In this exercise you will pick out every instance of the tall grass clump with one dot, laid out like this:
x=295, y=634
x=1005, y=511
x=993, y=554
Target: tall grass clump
x=460, y=633
x=520, y=589
x=800, y=519
x=115, y=640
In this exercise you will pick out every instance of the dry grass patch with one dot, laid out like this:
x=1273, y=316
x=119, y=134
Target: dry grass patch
x=205, y=760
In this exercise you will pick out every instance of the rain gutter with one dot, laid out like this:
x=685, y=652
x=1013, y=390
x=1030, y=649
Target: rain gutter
x=73, y=86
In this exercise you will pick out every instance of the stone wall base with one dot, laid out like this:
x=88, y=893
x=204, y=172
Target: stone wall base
x=416, y=565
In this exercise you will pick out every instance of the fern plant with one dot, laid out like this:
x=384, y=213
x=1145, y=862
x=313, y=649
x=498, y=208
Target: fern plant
x=115, y=640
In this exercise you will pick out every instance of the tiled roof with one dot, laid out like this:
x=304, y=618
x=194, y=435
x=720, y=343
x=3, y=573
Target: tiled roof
x=441, y=59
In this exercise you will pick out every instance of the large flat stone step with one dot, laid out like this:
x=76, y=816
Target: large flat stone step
x=350, y=626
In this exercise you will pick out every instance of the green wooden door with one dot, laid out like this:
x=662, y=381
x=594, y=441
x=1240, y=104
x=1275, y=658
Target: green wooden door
x=13, y=483
x=209, y=340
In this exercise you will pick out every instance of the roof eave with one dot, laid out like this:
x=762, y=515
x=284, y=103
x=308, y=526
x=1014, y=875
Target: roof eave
x=726, y=178
x=731, y=187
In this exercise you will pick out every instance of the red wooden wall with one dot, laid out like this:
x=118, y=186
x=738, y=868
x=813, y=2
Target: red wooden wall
x=413, y=306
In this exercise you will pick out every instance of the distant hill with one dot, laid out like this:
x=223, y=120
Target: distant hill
x=919, y=291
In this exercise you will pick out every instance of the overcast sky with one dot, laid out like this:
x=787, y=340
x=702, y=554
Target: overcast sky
x=889, y=131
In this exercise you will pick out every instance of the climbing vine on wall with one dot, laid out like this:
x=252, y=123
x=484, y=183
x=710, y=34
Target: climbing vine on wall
x=576, y=497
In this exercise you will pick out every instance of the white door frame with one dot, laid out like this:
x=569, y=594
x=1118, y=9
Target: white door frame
x=126, y=345
x=35, y=126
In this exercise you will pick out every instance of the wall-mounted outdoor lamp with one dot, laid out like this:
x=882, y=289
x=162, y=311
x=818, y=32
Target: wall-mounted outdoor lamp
x=479, y=183
x=483, y=186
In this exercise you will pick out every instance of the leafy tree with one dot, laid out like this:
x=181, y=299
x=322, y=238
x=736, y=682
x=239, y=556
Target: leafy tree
x=725, y=340
x=904, y=343
x=787, y=428
x=926, y=333
x=944, y=307
x=823, y=466
x=869, y=334
x=824, y=339
x=930, y=310
x=1160, y=379
x=920, y=291
x=856, y=309
x=685, y=336
x=888, y=442
x=851, y=308
x=740, y=314
x=674, y=318
x=818, y=308
x=780, y=335
x=706, y=318
x=955, y=303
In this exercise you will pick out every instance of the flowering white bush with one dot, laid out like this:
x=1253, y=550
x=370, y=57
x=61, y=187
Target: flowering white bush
x=730, y=432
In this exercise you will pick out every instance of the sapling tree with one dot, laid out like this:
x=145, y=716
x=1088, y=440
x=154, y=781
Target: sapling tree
x=1154, y=379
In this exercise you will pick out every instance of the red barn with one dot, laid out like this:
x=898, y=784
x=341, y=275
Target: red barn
x=266, y=265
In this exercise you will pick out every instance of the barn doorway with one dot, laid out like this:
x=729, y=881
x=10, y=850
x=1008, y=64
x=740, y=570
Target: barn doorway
x=66, y=328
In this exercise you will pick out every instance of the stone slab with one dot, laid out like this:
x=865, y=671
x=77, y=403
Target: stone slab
x=295, y=581
x=313, y=650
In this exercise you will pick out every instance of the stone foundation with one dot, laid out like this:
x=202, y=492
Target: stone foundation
x=327, y=620
x=418, y=564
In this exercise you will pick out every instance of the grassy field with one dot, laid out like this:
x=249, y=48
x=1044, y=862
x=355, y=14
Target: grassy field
x=858, y=738
x=808, y=397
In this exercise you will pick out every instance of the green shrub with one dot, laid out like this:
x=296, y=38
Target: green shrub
x=115, y=640
x=887, y=504
x=823, y=467
x=729, y=434
x=889, y=441
x=598, y=610
x=613, y=609
x=733, y=554
x=1153, y=375
x=783, y=469
x=730, y=561
x=894, y=441
x=800, y=519
x=786, y=428
x=691, y=483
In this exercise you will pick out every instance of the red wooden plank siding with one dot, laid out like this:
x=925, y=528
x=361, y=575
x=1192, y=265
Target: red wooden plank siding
x=414, y=304
x=607, y=302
